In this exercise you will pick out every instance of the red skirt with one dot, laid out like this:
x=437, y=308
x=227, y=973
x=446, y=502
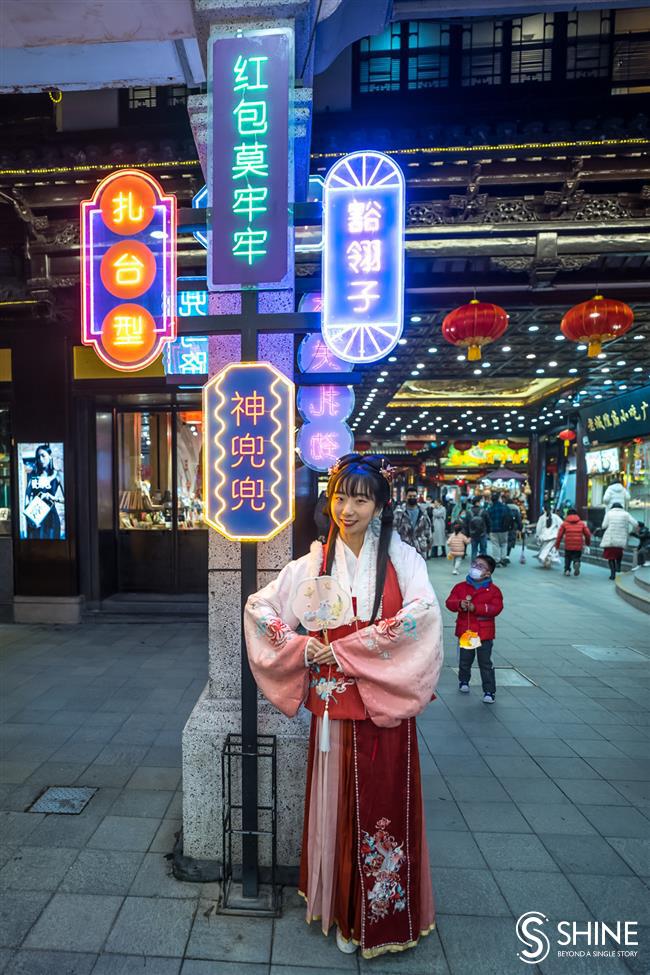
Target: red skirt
x=365, y=862
x=612, y=552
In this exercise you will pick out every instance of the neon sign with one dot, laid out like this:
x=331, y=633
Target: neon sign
x=251, y=75
x=200, y=202
x=363, y=256
x=248, y=451
x=321, y=444
x=186, y=356
x=128, y=270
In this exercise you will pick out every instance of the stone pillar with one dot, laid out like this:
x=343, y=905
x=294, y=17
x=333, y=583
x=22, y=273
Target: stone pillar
x=218, y=710
x=581, y=471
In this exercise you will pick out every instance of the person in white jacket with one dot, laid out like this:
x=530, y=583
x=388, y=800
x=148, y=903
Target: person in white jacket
x=548, y=525
x=617, y=525
x=616, y=493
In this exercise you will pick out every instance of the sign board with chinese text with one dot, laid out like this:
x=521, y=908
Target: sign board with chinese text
x=248, y=451
x=321, y=443
x=250, y=159
x=363, y=256
x=620, y=418
x=128, y=270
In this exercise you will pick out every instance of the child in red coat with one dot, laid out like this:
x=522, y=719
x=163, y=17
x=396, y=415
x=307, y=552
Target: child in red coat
x=576, y=535
x=477, y=601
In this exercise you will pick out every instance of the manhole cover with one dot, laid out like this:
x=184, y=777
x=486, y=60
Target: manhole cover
x=63, y=800
x=618, y=654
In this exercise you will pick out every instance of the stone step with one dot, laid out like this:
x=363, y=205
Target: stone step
x=149, y=607
x=634, y=594
x=642, y=577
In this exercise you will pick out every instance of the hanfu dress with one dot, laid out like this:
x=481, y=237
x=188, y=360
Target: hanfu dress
x=365, y=862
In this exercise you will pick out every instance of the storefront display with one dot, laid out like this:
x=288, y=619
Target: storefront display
x=5, y=474
x=41, y=491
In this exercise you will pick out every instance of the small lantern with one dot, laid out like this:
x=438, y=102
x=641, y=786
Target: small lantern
x=567, y=436
x=596, y=321
x=474, y=325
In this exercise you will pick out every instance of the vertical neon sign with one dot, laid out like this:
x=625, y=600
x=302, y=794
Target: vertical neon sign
x=128, y=270
x=248, y=451
x=251, y=169
x=363, y=256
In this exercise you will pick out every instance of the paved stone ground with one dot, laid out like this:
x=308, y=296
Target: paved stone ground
x=540, y=802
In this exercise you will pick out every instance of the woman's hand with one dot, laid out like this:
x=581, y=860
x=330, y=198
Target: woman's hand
x=313, y=647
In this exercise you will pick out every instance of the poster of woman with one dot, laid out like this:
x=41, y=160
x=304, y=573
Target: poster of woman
x=41, y=491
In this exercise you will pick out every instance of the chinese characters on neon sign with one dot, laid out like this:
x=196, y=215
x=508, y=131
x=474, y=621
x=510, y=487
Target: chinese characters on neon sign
x=324, y=436
x=248, y=451
x=250, y=166
x=363, y=256
x=128, y=270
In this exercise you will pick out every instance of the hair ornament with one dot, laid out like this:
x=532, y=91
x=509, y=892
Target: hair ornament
x=387, y=471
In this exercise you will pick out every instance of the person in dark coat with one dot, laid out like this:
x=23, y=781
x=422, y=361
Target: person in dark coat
x=478, y=530
x=576, y=535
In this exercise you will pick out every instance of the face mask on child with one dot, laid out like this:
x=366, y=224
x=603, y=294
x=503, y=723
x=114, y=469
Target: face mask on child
x=476, y=572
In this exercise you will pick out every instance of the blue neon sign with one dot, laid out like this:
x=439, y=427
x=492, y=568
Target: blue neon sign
x=363, y=257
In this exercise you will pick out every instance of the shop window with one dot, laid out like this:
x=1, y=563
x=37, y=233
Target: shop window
x=481, y=58
x=177, y=95
x=428, y=60
x=145, y=471
x=189, y=472
x=5, y=474
x=588, y=44
x=532, y=41
x=631, y=54
x=379, y=61
x=143, y=97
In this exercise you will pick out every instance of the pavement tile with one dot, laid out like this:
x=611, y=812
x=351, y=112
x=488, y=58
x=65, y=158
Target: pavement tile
x=494, y=817
x=18, y=913
x=614, y=898
x=155, y=879
x=635, y=851
x=514, y=851
x=590, y=792
x=108, y=776
x=616, y=820
x=453, y=848
x=63, y=830
x=36, y=868
x=584, y=854
x=152, y=777
x=82, y=920
x=443, y=814
x=32, y=962
x=427, y=958
x=528, y=890
x=151, y=803
x=164, y=840
x=513, y=766
x=533, y=790
x=467, y=787
x=102, y=872
x=17, y=827
x=487, y=945
x=193, y=966
x=226, y=938
x=555, y=818
x=124, y=833
x=463, y=891
x=547, y=747
x=136, y=965
x=152, y=926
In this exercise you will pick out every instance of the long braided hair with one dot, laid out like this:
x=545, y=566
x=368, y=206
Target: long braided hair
x=356, y=474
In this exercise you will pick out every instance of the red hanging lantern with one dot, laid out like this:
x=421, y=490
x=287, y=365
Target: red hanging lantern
x=362, y=445
x=463, y=445
x=567, y=436
x=474, y=325
x=596, y=321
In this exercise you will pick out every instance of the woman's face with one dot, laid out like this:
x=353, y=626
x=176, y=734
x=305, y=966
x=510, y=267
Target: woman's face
x=43, y=458
x=352, y=513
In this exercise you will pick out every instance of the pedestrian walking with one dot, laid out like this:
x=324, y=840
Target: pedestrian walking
x=548, y=525
x=412, y=523
x=457, y=546
x=576, y=535
x=617, y=525
x=477, y=601
x=438, y=523
x=479, y=529
x=500, y=523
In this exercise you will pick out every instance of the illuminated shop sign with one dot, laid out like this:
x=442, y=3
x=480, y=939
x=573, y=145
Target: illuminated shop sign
x=200, y=202
x=128, y=270
x=363, y=257
x=248, y=451
x=186, y=356
x=251, y=167
x=620, y=418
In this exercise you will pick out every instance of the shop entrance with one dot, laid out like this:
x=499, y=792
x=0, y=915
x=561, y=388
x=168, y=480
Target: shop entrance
x=152, y=538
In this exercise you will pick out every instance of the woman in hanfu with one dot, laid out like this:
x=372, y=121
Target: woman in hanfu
x=365, y=862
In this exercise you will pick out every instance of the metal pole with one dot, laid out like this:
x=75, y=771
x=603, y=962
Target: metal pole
x=249, y=735
x=248, y=685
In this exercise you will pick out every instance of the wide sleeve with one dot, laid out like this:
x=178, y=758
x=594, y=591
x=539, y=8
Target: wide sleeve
x=397, y=662
x=560, y=534
x=275, y=651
